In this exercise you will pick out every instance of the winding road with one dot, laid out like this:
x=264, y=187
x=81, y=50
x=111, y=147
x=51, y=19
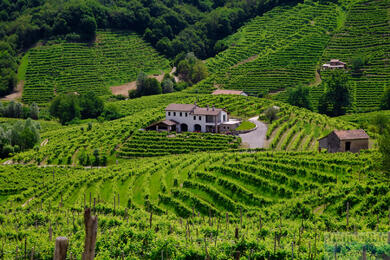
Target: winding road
x=255, y=138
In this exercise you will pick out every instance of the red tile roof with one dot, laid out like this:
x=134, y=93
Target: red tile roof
x=351, y=134
x=207, y=111
x=227, y=92
x=180, y=107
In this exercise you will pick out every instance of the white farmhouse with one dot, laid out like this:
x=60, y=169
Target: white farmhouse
x=191, y=118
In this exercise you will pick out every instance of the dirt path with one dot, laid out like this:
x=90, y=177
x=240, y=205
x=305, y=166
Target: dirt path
x=45, y=142
x=255, y=138
x=246, y=61
x=27, y=202
x=17, y=94
x=125, y=88
x=317, y=81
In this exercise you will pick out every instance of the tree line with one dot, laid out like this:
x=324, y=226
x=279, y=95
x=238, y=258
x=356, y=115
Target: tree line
x=18, y=137
x=70, y=108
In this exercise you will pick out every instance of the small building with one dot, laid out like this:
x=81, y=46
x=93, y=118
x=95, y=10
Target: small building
x=229, y=92
x=163, y=125
x=344, y=141
x=334, y=64
x=191, y=118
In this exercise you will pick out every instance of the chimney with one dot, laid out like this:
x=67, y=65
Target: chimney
x=213, y=107
x=207, y=107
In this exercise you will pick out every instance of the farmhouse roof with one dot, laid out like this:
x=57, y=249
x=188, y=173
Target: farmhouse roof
x=180, y=107
x=227, y=92
x=355, y=134
x=207, y=111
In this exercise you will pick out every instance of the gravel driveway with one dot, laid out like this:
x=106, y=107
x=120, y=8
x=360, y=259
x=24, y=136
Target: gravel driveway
x=256, y=138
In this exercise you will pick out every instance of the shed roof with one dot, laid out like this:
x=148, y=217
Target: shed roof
x=227, y=92
x=351, y=134
x=356, y=134
x=180, y=107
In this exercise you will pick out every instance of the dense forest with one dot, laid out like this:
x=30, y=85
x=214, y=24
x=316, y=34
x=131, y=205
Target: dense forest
x=170, y=26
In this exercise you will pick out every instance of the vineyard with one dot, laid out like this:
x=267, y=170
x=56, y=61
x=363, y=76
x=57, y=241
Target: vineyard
x=295, y=129
x=257, y=204
x=152, y=143
x=366, y=35
x=274, y=51
x=115, y=58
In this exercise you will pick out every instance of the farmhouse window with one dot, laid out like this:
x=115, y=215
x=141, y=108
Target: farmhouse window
x=186, y=114
x=174, y=113
x=200, y=118
x=181, y=114
x=194, y=117
x=224, y=118
x=169, y=113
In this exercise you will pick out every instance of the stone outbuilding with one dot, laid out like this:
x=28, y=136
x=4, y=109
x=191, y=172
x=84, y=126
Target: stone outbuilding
x=344, y=141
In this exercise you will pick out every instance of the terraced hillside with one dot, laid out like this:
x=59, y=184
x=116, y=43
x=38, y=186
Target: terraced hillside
x=251, y=204
x=115, y=58
x=296, y=129
x=276, y=50
x=365, y=34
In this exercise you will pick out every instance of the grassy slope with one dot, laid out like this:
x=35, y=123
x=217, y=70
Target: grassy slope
x=115, y=58
x=287, y=189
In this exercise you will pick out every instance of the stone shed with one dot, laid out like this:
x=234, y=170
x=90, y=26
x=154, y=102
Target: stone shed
x=344, y=141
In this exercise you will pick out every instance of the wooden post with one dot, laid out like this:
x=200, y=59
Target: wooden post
x=50, y=232
x=347, y=214
x=32, y=254
x=240, y=217
x=236, y=233
x=61, y=248
x=25, y=248
x=364, y=255
x=260, y=224
x=292, y=250
x=151, y=219
x=237, y=255
x=388, y=237
x=90, y=235
x=227, y=220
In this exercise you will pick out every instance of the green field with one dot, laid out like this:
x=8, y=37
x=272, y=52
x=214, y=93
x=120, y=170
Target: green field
x=298, y=196
x=115, y=58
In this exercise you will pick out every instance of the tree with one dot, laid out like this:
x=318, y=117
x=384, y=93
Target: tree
x=198, y=72
x=300, y=97
x=152, y=87
x=96, y=159
x=336, y=98
x=111, y=112
x=271, y=114
x=34, y=111
x=385, y=100
x=66, y=107
x=91, y=105
x=167, y=86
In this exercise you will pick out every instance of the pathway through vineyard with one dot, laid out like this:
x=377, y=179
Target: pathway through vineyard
x=257, y=137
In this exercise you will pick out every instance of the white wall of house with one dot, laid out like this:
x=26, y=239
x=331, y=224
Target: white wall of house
x=186, y=118
x=192, y=120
